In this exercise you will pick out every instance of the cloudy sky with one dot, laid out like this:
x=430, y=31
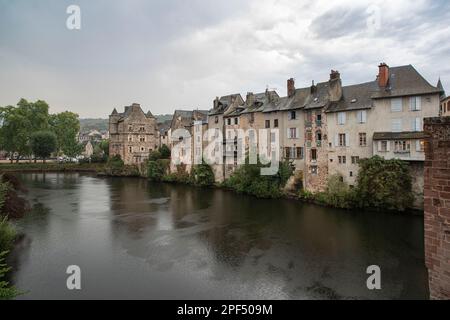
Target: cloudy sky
x=181, y=54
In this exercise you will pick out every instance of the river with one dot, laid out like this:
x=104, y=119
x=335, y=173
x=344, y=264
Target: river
x=134, y=239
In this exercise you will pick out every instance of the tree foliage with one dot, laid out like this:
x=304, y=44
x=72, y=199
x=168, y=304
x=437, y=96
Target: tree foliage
x=165, y=152
x=66, y=126
x=247, y=179
x=202, y=175
x=43, y=144
x=384, y=184
x=19, y=123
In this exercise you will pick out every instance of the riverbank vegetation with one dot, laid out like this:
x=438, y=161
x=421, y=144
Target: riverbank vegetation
x=381, y=185
x=247, y=179
x=11, y=206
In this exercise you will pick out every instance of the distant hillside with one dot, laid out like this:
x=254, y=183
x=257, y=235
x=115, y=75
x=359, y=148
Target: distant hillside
x=87, y=125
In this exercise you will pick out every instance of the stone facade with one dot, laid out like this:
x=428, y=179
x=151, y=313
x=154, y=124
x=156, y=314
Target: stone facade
x=133, y=134
x=437, y=206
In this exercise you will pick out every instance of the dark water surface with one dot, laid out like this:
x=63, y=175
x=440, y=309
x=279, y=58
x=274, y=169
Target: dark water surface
x=134, y=239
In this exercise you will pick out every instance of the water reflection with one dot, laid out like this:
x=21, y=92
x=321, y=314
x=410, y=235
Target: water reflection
x=135, y=239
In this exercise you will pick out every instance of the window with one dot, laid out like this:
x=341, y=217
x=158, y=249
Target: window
x=314, y=170
x=130, y=138
x=396, y=125
x=362, y=116
x=130, y=128
x=142, y=149
x=420, y=145
x=355, y=160
x=416, y=124
x=313, y=155
x=292, y=115
x=130, y=149
x=142, y=139
x=342, y=118
x=383, y=146
x=397, y=105
x=299, y=153
x=294, y=153
x=275, y=123
x=319, y=136
x=216, y=119
x=309, y=136
x=267, y=124
x=402, y=146
x=351, y=173
x=236, y=120
x=342, y=159
x=142, y=129
x=363, y=139
x=415, y=103
x=319, y=117
x=342, y=140
x=229, y=121
x=293, y=133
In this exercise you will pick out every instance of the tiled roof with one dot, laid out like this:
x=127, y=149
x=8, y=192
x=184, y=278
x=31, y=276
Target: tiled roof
x=355, y=97
x=405, y=81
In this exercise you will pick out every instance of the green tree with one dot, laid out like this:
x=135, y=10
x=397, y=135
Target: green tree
x=43, y=143
x=66, y=126
x=165, y=152
x=104, y=145
x=155, y=170
x=202, y=175
x=248, y=179
x=19, y=123
x=155, y=155
x=384, y=184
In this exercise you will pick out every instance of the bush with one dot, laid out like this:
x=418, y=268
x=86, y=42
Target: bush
x=337, y=194
x=154, y=155
x=7, y=235
x=247, y=179
x=202, y=175
x=384, y=184
x=165, y=152
x=181, y=176
x=115, y=162
x=156, y=170
x=11, y=204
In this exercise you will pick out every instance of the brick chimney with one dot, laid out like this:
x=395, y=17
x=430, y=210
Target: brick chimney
x=291, y=87
x=383, y=75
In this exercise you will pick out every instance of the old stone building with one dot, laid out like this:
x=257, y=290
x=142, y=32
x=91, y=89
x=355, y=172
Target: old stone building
x=383, y=117
x=133, y=134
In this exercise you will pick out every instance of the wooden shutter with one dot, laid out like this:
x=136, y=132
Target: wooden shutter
x=347, y=140
x=336, y=140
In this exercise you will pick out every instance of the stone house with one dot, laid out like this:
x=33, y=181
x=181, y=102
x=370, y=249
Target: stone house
x=383, y=117
x=182, y=129
x=224, y=115
x=133, y=134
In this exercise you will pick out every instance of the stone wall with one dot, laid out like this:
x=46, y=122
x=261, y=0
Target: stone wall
x=437, y=206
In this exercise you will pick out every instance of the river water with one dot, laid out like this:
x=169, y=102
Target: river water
x=136, y=240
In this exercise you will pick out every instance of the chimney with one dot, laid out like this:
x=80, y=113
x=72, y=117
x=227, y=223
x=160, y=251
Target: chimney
x=334, y=75
x=291, y=87
x=216, y=103
x=335, y=86
x=383, y=75
x=250, y=99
